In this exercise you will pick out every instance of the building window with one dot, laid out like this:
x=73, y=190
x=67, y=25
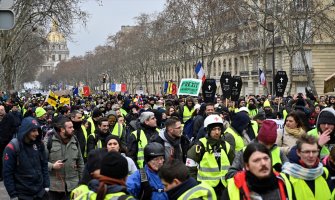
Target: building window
x=229, y=65
x=236, y=65
x=255, y=63
x=214, y=68
x=298, y=65
x=224, y=65
x=59, y=57
x=53, y=58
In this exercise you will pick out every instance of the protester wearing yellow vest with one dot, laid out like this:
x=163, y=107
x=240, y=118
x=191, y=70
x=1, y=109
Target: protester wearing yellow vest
x=141, y=137
x=258, y=180
x=96, y=115
x=97, y=140
x=188, y=109
x=307, y=176
x=111, y=182
x=79, y=131
x=267, y=136
x=119, y=130
x=91, y=171
x=179, y=185
x=240, y=130
x=325, y=130
x=210, y=158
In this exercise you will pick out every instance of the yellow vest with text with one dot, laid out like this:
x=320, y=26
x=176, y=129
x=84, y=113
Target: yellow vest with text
x=187, y=114
x=239, y=143
x=143, y=141
x=92, y=124
x=201, y=191
x=303, y=192
x=209, y=171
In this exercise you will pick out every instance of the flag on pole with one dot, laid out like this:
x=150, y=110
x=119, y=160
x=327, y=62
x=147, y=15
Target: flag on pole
x=86, y=91
x=262, y=79
x=117, y=87
x=123, y=87
x=199, y=70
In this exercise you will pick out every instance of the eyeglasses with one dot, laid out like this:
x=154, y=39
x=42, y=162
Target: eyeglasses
x=307, y=152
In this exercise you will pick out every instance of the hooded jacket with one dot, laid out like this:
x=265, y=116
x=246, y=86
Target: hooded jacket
x=26, y=168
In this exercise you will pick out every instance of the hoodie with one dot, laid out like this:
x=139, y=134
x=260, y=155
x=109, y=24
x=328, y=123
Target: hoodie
x=26, y=168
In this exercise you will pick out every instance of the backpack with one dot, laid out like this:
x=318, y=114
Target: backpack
x=16, y=144
x=188, y=129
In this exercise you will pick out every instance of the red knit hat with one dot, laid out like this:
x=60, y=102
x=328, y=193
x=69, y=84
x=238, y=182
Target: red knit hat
x=268, y=132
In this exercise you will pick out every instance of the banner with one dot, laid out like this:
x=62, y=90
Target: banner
x=112, y=87
x=86, y=91
x=123, y=87
x=52, y=99
x=209, y=90
x=118, y=88
x=281, y=80
x=190, y=87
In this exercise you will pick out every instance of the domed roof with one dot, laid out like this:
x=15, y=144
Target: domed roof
x=54, y=36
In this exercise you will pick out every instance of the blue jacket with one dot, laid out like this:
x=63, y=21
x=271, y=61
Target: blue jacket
x=25, y=167
x=134, y=184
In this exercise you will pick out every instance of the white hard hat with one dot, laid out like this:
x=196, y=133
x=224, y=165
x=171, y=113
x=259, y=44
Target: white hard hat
x=245, y=109
x=213, y=119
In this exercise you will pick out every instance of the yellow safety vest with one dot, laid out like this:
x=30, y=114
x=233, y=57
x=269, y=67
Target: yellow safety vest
x=117, y=130
x=324, y=150
x=85, y=135
x=79, y=191
x=275, y=156
x=201, y=191
x=254, y=126
x=209, y=171
x=98, y=144
x=90, y=195
x=302, y=190
x=284, y=114
x=239, y=143
x=123, y=112
x=187, y=114
x=92, y=124
x=143, y=141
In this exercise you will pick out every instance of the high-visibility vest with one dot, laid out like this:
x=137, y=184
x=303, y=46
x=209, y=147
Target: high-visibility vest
x=208, y=170
x=254, y=127
x=239, y=143
x=142, y=142
x=79, y=191
x=201, y=191
x=117, y=130
x=123, y=112
x=275, y=156
x=92, y=125
x=187, y=114
x=235, y=186
x=302, y=190
x=285, y=114
x=324, y=150
x=98, y=145
x=91, y=195
x=85, y=135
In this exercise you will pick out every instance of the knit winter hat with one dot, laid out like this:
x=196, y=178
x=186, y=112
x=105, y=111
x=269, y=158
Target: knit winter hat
x=94, y=159
x=40, y=112
x=326, y=117
x=268, y=132
x=145, y=116
x=114, y=165
x=240, y=121
x=96, y=113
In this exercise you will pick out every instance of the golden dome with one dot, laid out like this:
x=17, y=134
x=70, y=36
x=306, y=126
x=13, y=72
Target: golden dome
x=54, y=36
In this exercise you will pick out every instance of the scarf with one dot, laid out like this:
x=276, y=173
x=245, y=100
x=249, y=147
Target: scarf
x=300, y=172
x=296, y=132
x=175, y=143
x=111, y=181
x=261, y=185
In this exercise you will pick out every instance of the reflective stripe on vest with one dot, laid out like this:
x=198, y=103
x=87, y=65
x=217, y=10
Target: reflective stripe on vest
x=302, y=190
x=209, y=171
x=85, y=135
x=187, y=114
x=201, y=191
x=92, y=124
x=239, y=143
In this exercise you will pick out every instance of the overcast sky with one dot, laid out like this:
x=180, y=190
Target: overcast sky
x=105, y=19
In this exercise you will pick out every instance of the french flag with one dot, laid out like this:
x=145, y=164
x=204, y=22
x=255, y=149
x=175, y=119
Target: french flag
x=262, y=79
x=199, y=70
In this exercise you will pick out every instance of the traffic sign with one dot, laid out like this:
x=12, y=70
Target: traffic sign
x=209, y=90
x=225, y=81
x=280, y=83
x=7, y=17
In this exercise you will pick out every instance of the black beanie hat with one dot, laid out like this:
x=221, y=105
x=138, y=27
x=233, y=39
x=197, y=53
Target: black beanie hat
x=94, y=159
x=114, y=165
x=96, y=113
x=326, y=117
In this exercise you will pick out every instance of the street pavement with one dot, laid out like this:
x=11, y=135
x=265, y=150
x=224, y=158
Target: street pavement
x=3, y=192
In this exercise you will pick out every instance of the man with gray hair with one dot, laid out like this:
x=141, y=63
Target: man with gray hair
x=139, y=138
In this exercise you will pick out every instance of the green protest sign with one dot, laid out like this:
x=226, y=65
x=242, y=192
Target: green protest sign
x=190, y=87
